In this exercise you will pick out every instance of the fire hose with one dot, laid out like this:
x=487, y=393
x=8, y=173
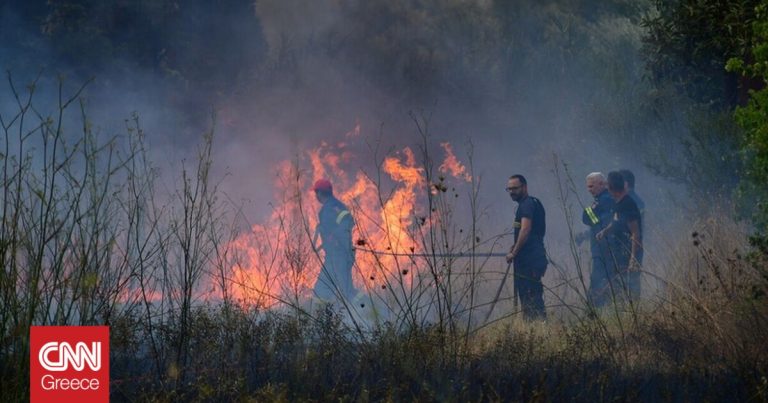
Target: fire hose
x=457, y=255
x=446, y=255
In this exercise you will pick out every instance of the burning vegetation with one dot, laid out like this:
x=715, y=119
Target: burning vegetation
x=275, y=261
x=189, y=300
x=207, y=300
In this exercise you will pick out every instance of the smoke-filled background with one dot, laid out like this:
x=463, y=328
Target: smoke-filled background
x=521, y=87
x=171, y=201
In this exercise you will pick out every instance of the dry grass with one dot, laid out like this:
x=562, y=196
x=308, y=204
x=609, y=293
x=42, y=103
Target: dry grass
x=702, y=336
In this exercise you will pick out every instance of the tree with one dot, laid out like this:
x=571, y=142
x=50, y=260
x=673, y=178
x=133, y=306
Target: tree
x=686, y=47
x=689, y=42
x=753, y=119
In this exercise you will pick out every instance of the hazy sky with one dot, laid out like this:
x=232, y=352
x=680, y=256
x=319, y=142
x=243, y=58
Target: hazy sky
x=523, y=83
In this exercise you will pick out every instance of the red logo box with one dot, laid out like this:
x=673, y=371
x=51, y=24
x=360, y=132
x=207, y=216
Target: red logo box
x=68, y=364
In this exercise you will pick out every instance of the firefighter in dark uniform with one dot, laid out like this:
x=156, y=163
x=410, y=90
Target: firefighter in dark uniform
x=335, y=232
x=528, y=253
x=597, y=216
x=625, y=241
x=635, y=278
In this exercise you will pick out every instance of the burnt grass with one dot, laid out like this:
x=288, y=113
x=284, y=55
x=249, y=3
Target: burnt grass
x=249, y=355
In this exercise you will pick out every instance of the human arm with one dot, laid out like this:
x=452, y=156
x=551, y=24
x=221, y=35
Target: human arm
x=590, y=214
x=522, y=238
x=600, y=235
x=580, y=237
x=637, y=244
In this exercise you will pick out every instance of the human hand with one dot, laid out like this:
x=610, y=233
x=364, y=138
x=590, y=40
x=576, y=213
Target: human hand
x=581, y=237
x=510, y=257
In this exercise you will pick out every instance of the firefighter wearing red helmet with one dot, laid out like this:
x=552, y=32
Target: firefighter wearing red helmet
x=335, y=231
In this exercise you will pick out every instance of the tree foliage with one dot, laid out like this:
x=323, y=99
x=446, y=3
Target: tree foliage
x=686, y=47
x=562, y=63
x=201, y=48
x=689, y=42
x=753, y=119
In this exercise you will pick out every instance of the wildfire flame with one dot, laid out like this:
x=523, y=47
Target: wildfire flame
x=276, y=261
x=452, y=166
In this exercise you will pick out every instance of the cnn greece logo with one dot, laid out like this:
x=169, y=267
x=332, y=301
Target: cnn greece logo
x=69, y=362
x=78, y=356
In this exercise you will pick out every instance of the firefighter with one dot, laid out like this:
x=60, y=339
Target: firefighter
x=624, y=238
x=629, y=184
x=597, y=216
x=528, y=253
x=635, y=278
x=335, y=231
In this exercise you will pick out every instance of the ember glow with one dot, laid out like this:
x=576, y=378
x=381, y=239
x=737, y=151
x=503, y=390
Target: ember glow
x=275, y=261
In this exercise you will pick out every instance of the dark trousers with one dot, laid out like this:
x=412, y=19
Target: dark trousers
x=529, y=288
x=614, y=284
x=599, y=293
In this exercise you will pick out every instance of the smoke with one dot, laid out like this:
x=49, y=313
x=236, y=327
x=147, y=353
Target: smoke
x=524, y=87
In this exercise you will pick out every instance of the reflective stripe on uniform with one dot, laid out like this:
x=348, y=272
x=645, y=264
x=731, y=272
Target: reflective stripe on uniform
x=341, y=216
x=592, y=216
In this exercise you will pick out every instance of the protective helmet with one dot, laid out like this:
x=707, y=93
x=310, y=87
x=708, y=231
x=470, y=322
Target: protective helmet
x=323, y=185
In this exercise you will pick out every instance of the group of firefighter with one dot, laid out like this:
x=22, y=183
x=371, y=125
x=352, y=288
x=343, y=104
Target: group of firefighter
x=614, y=218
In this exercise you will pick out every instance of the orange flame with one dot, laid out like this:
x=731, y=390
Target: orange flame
x=355, y=132
x=276, y=261
x=452, y=165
